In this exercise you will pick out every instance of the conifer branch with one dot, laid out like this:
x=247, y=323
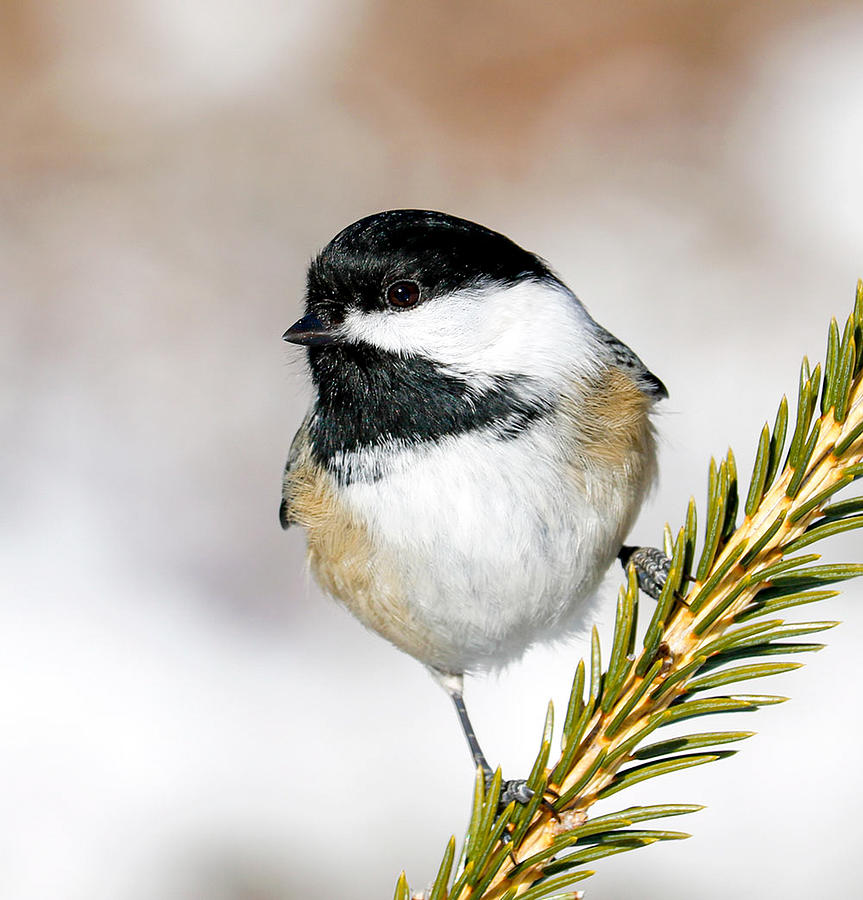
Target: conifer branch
x=718, y=621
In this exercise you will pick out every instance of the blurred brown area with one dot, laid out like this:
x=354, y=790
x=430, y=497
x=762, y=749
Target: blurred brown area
x=482, y=80
x=181, y=698
x=84, y=80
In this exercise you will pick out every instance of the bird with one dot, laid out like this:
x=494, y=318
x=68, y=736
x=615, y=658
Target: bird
x=477, y=449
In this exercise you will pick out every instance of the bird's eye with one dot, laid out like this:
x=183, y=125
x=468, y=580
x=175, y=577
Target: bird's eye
x=403, y=293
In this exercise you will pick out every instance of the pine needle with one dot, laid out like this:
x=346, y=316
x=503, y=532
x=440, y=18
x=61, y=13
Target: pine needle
x=705, y=633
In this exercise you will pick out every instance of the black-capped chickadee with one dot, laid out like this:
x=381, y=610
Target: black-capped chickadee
x=478, y=447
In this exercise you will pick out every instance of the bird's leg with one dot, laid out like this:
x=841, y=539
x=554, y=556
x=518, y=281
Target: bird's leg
x=470, y=736
x=510, y=790
x=651, y=567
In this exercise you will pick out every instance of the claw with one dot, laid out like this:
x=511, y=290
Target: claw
x=515, y=790
x=651, y=567
x=518, y=791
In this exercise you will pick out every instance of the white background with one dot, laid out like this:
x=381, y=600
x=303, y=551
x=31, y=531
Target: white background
x=181, y=714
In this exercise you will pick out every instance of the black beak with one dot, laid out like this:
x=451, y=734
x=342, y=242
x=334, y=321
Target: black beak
x=311, y=331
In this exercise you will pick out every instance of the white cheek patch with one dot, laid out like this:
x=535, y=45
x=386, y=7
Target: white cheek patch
x=533, y=329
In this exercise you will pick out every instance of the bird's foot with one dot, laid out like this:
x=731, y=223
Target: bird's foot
x=517, y=790
x=514, y=789
x=651, y=567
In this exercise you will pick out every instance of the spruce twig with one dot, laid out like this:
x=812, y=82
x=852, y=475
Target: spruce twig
x=712, y=628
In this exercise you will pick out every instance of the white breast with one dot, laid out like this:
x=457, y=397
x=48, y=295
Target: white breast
x=496, y=545
x=499, y=543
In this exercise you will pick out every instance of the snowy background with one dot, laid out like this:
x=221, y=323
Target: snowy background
x=182, y=715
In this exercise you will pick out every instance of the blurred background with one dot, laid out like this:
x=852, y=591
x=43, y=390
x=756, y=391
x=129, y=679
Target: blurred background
x=183, y=715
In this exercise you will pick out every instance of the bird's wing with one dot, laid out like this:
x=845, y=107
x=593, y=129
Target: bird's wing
x=297, y=445
x=627, y=360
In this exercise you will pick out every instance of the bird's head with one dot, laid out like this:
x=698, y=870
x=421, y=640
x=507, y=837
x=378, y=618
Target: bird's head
x=431, y=289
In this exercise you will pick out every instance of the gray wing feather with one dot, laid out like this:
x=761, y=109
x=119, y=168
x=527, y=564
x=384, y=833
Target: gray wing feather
x=297, y=444
x=627, y=360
